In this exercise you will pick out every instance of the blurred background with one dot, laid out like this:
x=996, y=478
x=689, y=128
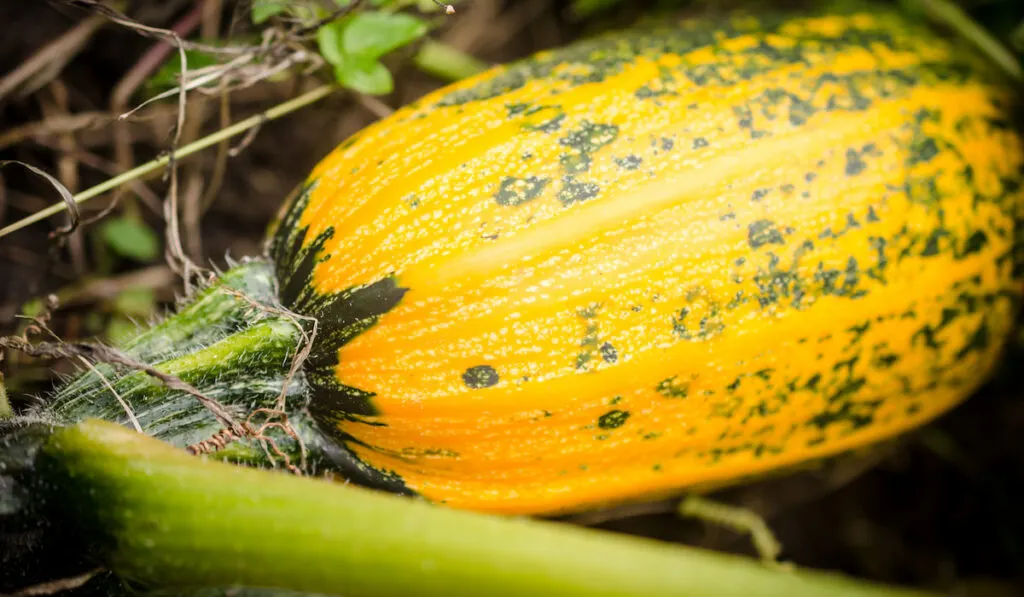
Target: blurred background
x=941, y=508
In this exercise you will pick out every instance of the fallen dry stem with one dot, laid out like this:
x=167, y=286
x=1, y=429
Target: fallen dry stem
x=48, y=62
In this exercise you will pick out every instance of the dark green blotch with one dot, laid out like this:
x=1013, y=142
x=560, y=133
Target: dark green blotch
x=975, y=243
x=480, y=376
x=923, y=151
x=764, y=232
x=613, y=419
x=885, y=361
x=574, y=191
x=978, y=342
x=849, y=388
x=700, y=142
x=854, y=164
x=931, y=247
x=552, y=125
x=759, y=194
x=670, y=388
x=575, y=162
x=813, y=381
x=630, y=162
x=608, y=353
x=590, y=137
x=516, y=191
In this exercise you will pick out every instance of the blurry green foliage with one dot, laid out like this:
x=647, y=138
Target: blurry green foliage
x=130, y=238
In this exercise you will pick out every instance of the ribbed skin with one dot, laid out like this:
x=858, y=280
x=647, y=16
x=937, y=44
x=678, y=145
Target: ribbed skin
x=675, y=256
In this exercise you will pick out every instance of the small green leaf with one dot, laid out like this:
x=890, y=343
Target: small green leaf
x=131, y=239
x=373, y=78
x=328, y=38
x=585, y=8
x=167, y=77
x=33, y=308
x=264, y=9
x=374, y=34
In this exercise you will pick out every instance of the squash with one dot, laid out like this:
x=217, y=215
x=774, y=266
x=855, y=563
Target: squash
x=662, y=259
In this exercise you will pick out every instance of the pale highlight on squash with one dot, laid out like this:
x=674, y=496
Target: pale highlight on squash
x=673, y=257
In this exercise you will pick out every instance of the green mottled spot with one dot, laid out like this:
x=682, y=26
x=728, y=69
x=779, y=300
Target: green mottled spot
x=574, y=191
x=590, y=137
x=671, y=388
x=608, y=353
x=480, y=376
x=763, y=232
x=630, y=162
x=975, y=243
x=854, y=164
x=613, y=419
x=517, y=191
x=575, y=162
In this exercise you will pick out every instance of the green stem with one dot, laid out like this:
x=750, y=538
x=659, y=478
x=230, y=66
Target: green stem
x=445, y=62
x=239, y=127
x=166, y=519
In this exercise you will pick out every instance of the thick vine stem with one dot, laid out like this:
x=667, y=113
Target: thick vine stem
x=165, y=519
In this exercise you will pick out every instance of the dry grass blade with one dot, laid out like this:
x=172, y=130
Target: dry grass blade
x=55, y=125
x=65, y=194
x=305, y=99
x=155, y=32
x=57, y=586
x=120, y=400
x=49, y=61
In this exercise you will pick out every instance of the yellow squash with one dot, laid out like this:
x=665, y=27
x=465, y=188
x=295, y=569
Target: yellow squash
x=674, y=256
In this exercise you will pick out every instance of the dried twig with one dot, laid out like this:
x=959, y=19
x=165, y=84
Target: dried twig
x=374, y=105
x=65, y=194
x=47, y=63
x=277, y=111
x=53, y=126
x=145, y=194
x=132, y=80
x=106, y=382
x=147, y=31
x=67, y=170
x=54, y=587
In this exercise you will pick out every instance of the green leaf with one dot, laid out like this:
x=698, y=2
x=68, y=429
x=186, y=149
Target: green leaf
x=131, y=239
x=585, y=8
x=373, y=78
x=264, y=9
x=167, y=77
x=33, y=308
x=328, y=38
x=374, y=34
